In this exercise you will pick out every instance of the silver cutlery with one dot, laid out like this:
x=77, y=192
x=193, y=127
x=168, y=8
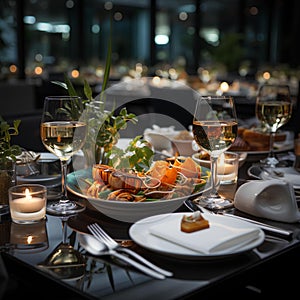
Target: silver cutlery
x=98, y=248
x=111, y=244
x=190, y=204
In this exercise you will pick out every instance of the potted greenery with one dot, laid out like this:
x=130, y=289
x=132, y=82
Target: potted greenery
x=105, y=126
x=8, y=154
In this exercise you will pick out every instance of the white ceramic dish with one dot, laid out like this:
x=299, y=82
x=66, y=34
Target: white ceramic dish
x=159, y=137
x=47, y=157
x=124, y=211
x=289, y=175
x=47, y=180
x=183, y=147
x=279, y=147
x=159, y=141
x=167, y=141
x=140, y=233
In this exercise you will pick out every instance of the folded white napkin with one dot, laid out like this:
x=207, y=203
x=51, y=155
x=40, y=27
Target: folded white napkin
x=223, y=236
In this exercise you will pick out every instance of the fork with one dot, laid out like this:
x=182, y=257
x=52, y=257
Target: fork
x=101, y=235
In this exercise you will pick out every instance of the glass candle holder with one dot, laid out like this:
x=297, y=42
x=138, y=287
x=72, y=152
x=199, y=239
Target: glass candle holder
x=227, y=168
x=27, y=203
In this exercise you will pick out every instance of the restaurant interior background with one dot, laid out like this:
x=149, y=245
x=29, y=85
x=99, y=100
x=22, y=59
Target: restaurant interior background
x=202, y=43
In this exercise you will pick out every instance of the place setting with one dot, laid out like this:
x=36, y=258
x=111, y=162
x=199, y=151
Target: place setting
x=222, y=238
x=154, y=223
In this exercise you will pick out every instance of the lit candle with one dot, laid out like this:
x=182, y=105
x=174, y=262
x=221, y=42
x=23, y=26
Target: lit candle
x=227, y=168
x=223, y=167
x=27, y=203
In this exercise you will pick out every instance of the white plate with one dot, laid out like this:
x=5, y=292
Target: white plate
x=139, y=232
x=290, y=175
x=286, y=145
x=280, y=148
x=47, y=180
x=47, y=157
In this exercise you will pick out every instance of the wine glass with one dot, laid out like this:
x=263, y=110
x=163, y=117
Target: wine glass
x=63, y=134
x=215, y=130
x=273, y=109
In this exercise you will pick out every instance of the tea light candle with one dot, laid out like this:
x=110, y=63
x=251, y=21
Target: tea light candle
x=227, y=168
x=224, y=168
x=27, y=203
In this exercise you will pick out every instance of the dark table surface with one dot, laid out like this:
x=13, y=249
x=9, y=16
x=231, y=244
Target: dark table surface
x=259, y=272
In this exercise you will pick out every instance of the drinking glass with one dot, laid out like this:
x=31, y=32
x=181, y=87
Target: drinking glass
x=63, y=134
x=215, y=130
x=273, y=109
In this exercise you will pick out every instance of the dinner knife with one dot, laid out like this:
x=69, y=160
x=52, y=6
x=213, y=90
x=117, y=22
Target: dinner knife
x=279, y=231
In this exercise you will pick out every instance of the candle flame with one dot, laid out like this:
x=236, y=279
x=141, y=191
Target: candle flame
x=224, y=86
x=27, y=194
x=29, y=239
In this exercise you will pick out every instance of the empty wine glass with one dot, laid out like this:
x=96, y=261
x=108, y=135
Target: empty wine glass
x=215, y=129
x=273, y=109
x=63, y=134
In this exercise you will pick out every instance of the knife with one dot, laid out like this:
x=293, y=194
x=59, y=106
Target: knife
x=279, y=231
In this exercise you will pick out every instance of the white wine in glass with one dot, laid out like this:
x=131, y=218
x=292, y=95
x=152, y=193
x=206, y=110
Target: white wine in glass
x=273, y=110
x=215, y=130
x=63, y=134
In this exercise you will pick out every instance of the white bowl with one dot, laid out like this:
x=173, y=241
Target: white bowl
x=206, y=162
x=158, y=141
x=183, y=147
x=159, y=137
x=123, y=211
x=134, y=211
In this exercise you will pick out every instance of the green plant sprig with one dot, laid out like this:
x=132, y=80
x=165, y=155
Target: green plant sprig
x=6, y=132
x=137, y=156
x=109, y=123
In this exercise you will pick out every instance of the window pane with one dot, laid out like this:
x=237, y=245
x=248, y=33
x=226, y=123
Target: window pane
x=8, y=38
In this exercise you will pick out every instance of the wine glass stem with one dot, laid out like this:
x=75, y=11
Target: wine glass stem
x=64, y=168
x=64, y=231
x=271, y=146
x=213, y=162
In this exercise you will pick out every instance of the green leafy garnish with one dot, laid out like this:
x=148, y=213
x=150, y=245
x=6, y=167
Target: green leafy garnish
x=137, y=156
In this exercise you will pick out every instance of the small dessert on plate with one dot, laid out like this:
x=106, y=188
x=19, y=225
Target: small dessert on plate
x=193, y=222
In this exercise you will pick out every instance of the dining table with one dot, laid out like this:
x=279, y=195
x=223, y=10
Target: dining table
x=25, y=270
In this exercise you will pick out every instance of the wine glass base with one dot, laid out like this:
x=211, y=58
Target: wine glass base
x=65, y=209
x=214, y=202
